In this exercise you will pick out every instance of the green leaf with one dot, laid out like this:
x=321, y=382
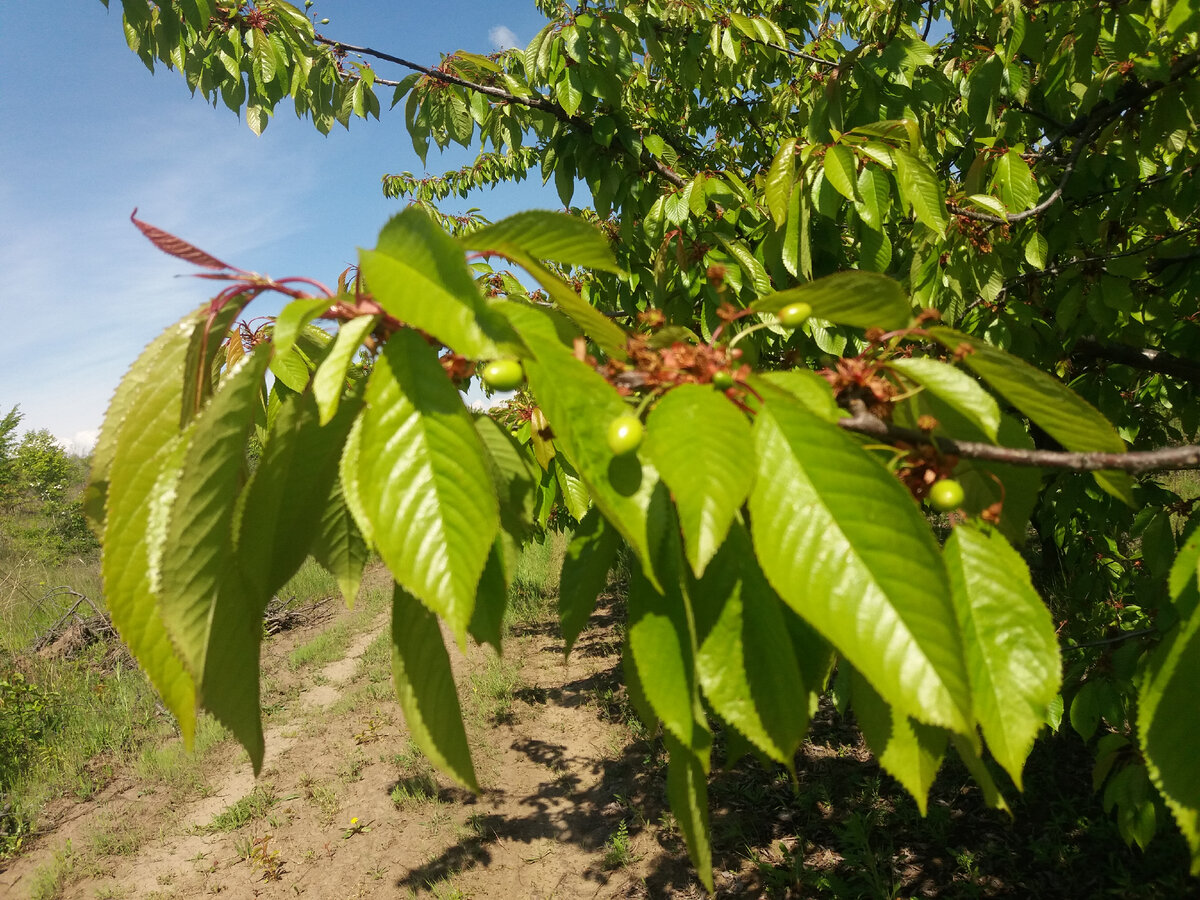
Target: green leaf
x=491, y=600
x=580, y=405
x=780, y=178
x=569, y=91
x=1036, y=248
x=329, y=382
x=541, y=235
x=1185, y=571
x=589, y=556
x=418, y=274
x=687, y=792
x=608, y=335
x=1012, y=652
x=860, y=299
x=1058, y=410
x=511, y=474
x=340, y=547
x=753, y=269
x=910, y=752
x=291, y=321
x=875, y=190
x=1167, y=716
x=841, y=170
x=291, y=369
x=425, y=687
x=279, y=519
x=700, y=442
x=746, y=663
x=920, y=189
x=975, y=765
x=139, y=437
x=1158, y=545
x=163, y=354
x=196, y=554
x=431, y=504
x=1013, y=182
x=842, y=542
x=574, y=492
x=662, y=647
x=955, y=388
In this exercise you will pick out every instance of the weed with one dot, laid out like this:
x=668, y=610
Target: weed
x=356, y=826
x=111, y=893
x=118, y=837
x=254, y=805
x=493, y=687
x=414, y=790
x=351, y=770
x=263, y=857
x=322, y=796
x=618, y=849
x=49, y=881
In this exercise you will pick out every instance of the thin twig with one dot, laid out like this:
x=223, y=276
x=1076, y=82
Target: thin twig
x=1124, y=636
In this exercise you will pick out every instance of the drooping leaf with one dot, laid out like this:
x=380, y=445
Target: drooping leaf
x=910, y=752
x=491, y=599
x=662, y=646
x=197, y=550
x=419, y=274
x=511, y=474
x=842, y=542
x=574, y=492
x=841, y=170
x=425, y=688
x=340, y=547
x=292, y=319
x=1062, y=413
x=1012, y=652
x=329, y=382
x=1167, y=713
x=580, y=405
x=780, y=178
x=542, y=235
x=860, y=299
x=955, y=388
x=431, y=502
x=687, y=792
x=589, y=556
x=920, y=189
x=700, y=444
x=140, y=435
x=590, y=320
x=746, y=662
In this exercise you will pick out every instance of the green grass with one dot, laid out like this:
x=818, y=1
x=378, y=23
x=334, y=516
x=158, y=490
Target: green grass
x=30, y=602
x=332, y=644
x=173, y=767
x=254, y=805
x=311, y=582
x=534, y=585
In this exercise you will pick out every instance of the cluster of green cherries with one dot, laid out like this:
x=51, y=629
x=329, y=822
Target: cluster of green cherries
x=626, y=431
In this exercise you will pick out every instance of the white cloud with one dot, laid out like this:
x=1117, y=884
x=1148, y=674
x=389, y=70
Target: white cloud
x=502, y=37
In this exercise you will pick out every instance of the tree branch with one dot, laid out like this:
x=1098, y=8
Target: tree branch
x=1086, y=126
x=1147, y=359
x=1135, y=462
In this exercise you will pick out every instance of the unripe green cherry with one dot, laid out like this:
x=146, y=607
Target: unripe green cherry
x=625, y=434
x=793, y=314
x=946, y=495
x=722, y=379
x=503, y=374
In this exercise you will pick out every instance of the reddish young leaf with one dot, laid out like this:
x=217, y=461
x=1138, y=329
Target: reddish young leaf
x=177, y=247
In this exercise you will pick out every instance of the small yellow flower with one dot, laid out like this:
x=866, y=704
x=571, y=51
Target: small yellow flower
x=354, y=821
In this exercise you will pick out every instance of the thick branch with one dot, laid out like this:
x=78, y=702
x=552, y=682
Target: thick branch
x=1136, y=462
x=1146, y=359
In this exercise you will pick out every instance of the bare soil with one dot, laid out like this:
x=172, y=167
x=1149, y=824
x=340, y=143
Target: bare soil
x=558, y=780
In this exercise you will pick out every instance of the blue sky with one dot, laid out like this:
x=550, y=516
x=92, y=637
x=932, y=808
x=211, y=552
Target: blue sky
x=90, y=134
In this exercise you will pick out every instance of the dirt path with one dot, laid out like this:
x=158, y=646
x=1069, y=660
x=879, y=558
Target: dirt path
x=559, y=780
